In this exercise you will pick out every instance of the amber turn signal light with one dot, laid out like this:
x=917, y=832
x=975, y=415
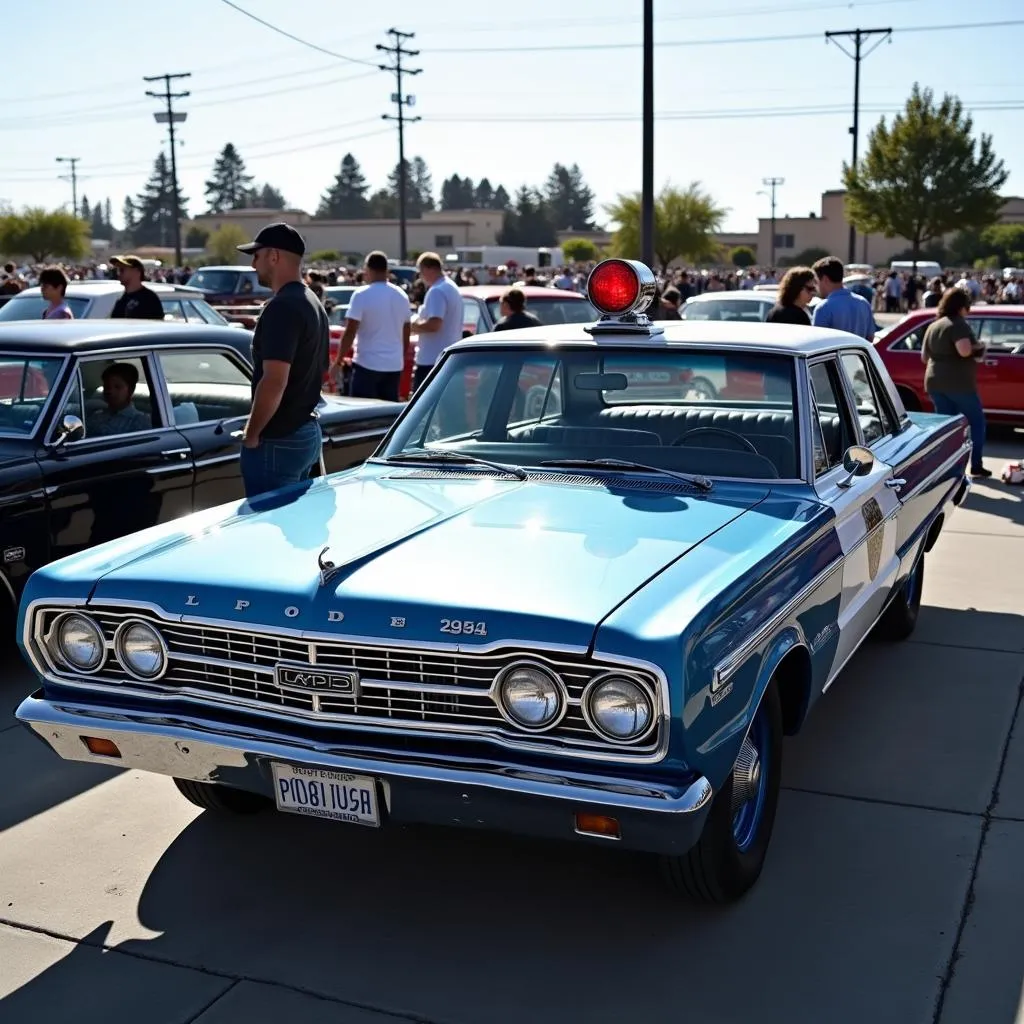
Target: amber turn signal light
x=598, y=825
x=101, y=747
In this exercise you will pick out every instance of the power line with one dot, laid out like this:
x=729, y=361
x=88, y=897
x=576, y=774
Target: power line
x=859, y=36
x=171, y=117
x=288, y=35
x=401, y=101
x=72, y=177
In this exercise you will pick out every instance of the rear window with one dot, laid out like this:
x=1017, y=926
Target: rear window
x=30, y=307
x=556, y=310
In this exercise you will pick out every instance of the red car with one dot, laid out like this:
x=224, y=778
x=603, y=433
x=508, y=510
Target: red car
x=1000, y=371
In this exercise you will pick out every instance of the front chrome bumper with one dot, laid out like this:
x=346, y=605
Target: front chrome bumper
x=653, y=817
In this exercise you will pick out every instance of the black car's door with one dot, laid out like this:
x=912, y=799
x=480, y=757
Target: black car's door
x=210, y=390
x=353, y=428
x=113, y=475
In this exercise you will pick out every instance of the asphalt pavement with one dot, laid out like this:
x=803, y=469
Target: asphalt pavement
x=893, y=890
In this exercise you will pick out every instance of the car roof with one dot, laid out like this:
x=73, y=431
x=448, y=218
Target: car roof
x=981, y=310
x=728, y=335
x=226, y=266
x=89, y=289
x=91, y=335
x=487, y=291
x=748, y=294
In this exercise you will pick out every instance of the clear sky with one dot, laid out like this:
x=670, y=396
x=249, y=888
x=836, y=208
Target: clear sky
x=502, y=95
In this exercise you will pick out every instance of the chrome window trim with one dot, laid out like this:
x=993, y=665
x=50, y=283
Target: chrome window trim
x=600, y=660
x=213, y=349
x=885, y=410
x=57, y=387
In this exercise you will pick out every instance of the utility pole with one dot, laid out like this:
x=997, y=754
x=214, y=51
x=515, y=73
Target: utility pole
x=772, y=183
x=401, y=102
x=859, y=36
x=171, y=117
x=72, y=177
x=647, y=177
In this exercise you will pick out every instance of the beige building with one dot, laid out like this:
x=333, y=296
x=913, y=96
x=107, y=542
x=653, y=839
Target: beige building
x=434, y=231
x=831, y=231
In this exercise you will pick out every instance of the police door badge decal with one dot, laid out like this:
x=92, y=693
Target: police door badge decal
x=872, y=513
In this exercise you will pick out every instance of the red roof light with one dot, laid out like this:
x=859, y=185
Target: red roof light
x=614, y=287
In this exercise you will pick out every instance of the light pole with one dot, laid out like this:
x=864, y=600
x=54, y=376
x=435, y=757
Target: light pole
x=772, y=183
x=73, y=178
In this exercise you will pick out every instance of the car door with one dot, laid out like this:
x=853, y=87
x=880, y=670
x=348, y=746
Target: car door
x=1001, y=369
x=102, y=482
x=865, y=506
x=209, y=390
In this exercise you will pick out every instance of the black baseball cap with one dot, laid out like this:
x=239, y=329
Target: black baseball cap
x=276, y=236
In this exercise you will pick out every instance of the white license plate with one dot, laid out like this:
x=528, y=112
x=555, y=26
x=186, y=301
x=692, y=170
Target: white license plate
x=323, y=794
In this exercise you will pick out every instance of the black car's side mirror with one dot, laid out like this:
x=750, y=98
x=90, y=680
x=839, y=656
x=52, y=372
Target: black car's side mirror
x=857, y=461
x=71, y=429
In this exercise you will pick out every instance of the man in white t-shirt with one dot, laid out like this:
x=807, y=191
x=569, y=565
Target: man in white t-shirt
x=378, y=322
x=440, y=321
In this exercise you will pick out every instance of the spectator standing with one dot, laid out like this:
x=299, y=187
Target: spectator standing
x=378, y=324
x=893, y=292
x=841, y=310
x=440, y=321
x=290, y=354
x=795, y=292
x=513, y=312
x=934, y=294
x=137, y=302
x=53, y=283
x=950, y=353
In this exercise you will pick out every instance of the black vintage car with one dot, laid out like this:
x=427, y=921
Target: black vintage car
x=66, y=485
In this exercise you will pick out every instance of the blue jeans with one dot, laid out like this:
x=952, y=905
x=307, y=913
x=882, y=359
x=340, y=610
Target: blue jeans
x=278, y=461
x=968, y=403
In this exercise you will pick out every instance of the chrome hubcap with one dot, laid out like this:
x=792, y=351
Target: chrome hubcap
x=746, y=775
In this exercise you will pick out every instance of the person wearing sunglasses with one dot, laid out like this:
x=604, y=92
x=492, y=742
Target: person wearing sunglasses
x=795, y=292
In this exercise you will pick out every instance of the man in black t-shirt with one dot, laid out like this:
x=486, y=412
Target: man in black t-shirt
x=290, y=354
x=513, y=312
x=137, y=302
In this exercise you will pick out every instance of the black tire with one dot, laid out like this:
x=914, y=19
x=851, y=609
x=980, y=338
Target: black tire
x=717, y=870
x=223, y=799
x=900, y=618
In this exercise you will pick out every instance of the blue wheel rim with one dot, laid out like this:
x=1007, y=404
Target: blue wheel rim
x=746, y=821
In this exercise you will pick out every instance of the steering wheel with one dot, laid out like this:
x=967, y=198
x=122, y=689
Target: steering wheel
x=744, y=442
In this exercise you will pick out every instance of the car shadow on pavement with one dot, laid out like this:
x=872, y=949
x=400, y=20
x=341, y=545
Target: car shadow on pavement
x=995, y=498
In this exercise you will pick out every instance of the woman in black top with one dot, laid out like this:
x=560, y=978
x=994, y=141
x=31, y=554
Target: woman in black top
x=797, y=289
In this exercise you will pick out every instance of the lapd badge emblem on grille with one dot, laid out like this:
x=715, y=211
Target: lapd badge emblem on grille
x=315, y=682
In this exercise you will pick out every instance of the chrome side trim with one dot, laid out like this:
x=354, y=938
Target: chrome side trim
x=728, y=666
x=935, y=474
x=28, y=357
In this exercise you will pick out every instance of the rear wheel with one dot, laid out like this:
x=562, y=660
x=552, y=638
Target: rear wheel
x=900, y=618
x=731, y=851
x=223, y=799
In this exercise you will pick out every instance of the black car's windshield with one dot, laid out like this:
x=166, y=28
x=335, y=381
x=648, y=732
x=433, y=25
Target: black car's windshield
x=556, y=310
x=30, y=307
x=712, y=412
x=25, y=385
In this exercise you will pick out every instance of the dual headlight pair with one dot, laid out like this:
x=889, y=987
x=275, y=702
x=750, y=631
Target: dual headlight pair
x=79, y=643
x=616, y=707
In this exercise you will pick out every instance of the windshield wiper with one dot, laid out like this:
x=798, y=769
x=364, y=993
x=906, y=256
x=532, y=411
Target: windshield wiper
x=700, y=482
x=447, y=455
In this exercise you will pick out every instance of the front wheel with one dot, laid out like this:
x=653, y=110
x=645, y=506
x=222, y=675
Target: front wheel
x=728, y=858
x=899, y=620
x=223, y=799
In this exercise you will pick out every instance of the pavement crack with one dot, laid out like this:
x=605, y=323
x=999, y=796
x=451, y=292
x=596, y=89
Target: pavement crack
x=882, y=801
x=235, y=978
x=216, y=999
x=988, y=816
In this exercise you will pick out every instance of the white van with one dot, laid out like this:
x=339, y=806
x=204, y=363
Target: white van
x=925, y=268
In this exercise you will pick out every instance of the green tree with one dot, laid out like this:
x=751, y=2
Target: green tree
x=570, y=203
x=502, y=200
x=346, y=198
x=685, y=221
x=197, y=238
x=925, y=175
x=483, y=195
x=418, y=188
x=85, y=210
x=228, y=186
x=579, y=250
x=222, y=244
x=153, y=208
x=42, y=234
x=742, y=256
x=458, y=193
x=266, y=197
x=527, y=221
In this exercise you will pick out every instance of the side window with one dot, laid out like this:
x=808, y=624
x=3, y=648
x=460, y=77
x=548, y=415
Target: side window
x=831, y=431
x=1002, y=334
x=173, y=311
x=873, y=413
x=112, y=397
x=911, y=342
x=472, y=316
x=205, y=385
x=539, y=392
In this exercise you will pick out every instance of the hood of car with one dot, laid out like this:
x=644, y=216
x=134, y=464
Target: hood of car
x=390, y=553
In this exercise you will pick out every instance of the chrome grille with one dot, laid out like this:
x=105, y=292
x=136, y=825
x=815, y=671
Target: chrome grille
x=398, y=687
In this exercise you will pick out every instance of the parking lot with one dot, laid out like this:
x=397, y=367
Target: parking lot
x=893, y=890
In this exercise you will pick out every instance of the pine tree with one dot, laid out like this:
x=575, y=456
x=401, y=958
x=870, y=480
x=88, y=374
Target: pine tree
x=458, y=193
x=270, y=198
x=108, y=215
x=228, y=184
x=502, y=200
x=569, y=202
x=483, y=195
x=154, y=207
x=383, y=204
x=418, y=187
x=346, y=198
x=99, y=225
x=423, y=184
x=128, y=213
x=85, y=210
x=528, y=221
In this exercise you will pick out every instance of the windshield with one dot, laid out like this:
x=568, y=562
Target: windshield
x=226, y=282
x=25, y=385
x=556, y=310
x=30, y=307
x=711, y=412
x=750, y=310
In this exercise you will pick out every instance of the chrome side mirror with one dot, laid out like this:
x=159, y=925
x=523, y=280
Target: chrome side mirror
x=857, y=461
x=71, y=429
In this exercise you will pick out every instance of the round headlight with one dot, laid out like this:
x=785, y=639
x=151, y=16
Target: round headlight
x=530, y=696
x=140, y=649
x=619, y=708
x=80, y=642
